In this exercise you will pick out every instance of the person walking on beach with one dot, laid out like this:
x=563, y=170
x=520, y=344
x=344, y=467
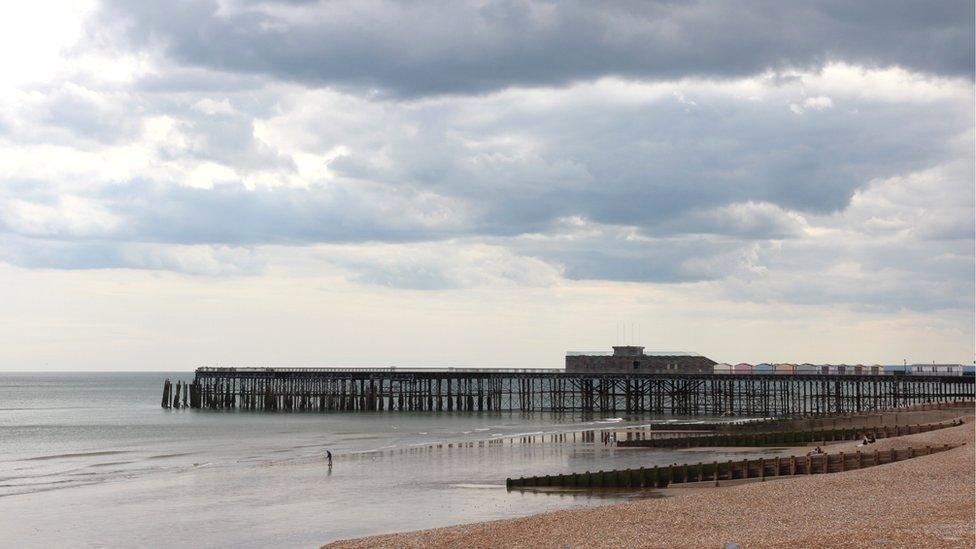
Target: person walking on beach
x=328, y=458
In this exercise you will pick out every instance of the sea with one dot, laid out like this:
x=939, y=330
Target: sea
x=92, y=460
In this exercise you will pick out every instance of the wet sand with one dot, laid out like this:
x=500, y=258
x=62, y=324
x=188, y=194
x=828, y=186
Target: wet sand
x=923, y=502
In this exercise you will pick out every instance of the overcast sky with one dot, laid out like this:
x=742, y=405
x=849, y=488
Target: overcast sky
x=303, y=183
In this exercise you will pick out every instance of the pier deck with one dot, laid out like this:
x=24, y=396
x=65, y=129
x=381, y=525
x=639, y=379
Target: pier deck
x=554, y=390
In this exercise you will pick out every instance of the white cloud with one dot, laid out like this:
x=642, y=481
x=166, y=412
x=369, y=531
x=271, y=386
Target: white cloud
x=69, y=216
x=775, y=185
x=35, y=36
x=817, y=103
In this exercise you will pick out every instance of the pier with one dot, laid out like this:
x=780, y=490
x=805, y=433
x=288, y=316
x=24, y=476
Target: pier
x=555, y=390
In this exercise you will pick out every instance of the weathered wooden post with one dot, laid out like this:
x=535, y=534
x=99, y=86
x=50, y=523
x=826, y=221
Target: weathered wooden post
x=166, y=388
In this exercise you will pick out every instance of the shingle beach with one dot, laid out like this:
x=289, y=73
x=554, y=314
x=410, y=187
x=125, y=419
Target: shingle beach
x=928, y=501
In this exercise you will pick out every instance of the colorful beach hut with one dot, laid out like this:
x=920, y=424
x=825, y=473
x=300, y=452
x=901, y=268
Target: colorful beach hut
x=763, y=368
x=785, y=368
x=742, y=368
x=722, y=368
x=807, y=369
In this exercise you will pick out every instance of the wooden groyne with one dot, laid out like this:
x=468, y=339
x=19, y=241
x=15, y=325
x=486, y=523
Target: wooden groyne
x=715, y=472
x=890, y=417
x=781, y=438
x=375, y=389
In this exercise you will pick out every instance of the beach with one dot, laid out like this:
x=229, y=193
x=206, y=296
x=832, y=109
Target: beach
x=96, y=450
x=923, y=502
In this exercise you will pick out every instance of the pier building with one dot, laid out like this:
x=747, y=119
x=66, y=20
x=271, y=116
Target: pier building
x=633, y=359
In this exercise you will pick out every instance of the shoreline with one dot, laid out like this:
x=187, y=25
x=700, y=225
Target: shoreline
x=923, y=502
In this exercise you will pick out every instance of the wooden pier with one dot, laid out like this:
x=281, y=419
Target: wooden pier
x=531, y=390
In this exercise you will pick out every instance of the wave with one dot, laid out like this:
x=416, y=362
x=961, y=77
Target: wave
x=79, y=454
x=107, y=463
x=164, y=456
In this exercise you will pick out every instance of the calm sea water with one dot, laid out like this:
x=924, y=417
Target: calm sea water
x=90, y=459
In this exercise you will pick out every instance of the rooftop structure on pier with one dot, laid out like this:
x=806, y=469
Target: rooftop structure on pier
x=634, y=359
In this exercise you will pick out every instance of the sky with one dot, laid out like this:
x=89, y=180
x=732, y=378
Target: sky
x=484, y=184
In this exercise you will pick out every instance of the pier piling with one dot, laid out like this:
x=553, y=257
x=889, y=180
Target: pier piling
x=372, y=389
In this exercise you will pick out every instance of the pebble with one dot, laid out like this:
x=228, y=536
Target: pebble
x=923, y=502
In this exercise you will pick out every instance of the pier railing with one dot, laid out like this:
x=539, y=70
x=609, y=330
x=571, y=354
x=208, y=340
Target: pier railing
x=532, y=390
x=377, y=369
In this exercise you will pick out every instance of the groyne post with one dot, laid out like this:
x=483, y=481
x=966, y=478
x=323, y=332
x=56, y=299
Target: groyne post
x=166, y=390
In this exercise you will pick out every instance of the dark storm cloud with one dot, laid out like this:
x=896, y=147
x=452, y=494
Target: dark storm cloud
x=658, y=165
x=401, y=136
x=412, y=49
x=726, y=167
x=672, y=260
